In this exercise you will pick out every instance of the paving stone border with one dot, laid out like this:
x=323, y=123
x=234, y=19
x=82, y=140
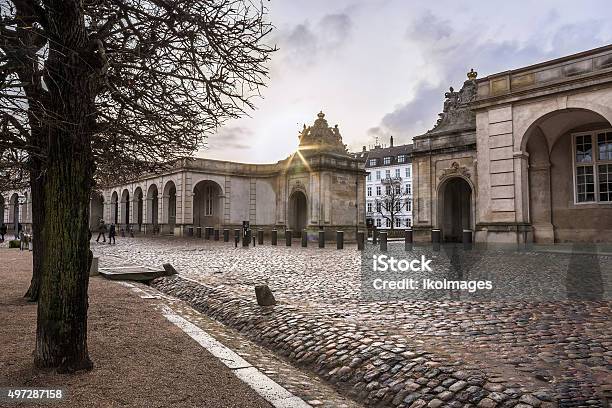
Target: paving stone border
x=372, y=367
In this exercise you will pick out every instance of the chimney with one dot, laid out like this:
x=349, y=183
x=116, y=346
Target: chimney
x=391, y=141
x=364, y=149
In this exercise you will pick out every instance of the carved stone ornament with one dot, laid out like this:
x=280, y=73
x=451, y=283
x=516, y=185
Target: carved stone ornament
x=456, y=113
x=321, y=137
x=455, y=170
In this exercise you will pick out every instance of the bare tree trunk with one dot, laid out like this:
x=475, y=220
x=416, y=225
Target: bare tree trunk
x=38, y=217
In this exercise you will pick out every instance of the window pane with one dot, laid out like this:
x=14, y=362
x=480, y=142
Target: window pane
x=605, y=182
x=584, y=149
x=585, y=187
x=604, y=143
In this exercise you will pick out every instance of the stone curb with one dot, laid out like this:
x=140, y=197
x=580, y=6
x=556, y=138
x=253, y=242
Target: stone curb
x=372, y=368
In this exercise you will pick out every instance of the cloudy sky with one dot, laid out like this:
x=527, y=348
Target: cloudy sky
x=381, y=67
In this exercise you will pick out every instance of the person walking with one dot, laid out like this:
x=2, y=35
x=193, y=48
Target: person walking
x=111, y=234
x=3, y=229
x=18, y=231
x=101, y=231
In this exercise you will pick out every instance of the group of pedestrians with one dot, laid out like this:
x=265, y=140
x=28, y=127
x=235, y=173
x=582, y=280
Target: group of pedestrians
x=102, y=229
x=4, y=229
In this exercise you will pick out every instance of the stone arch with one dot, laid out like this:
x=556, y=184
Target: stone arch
x=138, y=208
x=96, y=209
x=207, y=204
x=169, y=197
x=549, y=182
x=456, y=207
x=153, y=205
x=298, y=211
x=114, y=210
x=125, y=207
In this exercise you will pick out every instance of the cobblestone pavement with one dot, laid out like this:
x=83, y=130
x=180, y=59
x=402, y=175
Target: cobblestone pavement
x=530, y=339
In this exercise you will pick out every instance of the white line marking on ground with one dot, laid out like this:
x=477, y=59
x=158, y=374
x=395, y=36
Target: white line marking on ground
x=275, y=394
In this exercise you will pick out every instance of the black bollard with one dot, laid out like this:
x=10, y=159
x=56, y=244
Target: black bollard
x=321, y=239
x=288, y=237
x=435, y=239
x=216, y=234
x=199, y=232
x=254, y=240
x=274, y=238
x=467, y=239
x=408, y=239
x=374, y=237
x=206, y=233
x=236, y=240
x=260, y=236
x=339, y=239
x=237, y=233
x=225, y=235
x=383, y=241
x=246, y=240
x=360, y=240
x=190, y=231
x=304, y=238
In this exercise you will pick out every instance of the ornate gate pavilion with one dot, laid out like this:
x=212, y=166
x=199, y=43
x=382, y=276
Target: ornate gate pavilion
x=521, y=156
x=320, y=187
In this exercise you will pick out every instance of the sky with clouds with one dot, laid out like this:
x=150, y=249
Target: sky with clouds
x=381, y=67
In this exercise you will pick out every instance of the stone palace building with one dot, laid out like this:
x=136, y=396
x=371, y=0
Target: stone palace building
x=519, y=156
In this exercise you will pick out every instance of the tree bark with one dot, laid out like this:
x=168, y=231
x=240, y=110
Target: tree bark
x=61, y=333
x=38, y=217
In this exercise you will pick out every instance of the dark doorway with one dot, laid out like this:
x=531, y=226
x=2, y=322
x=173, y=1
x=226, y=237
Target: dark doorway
x=456, y=209
x=297, y=212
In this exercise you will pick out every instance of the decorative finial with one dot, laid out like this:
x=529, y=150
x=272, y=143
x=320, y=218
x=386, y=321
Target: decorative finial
x=472, y=74
x=321, y=115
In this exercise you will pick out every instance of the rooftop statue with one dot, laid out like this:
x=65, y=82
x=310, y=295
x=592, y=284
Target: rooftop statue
x=321, y=137
x=456, y=114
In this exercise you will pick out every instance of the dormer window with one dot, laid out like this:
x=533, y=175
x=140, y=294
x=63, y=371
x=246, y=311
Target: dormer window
x=387, y=160
x=372, y=162
x=401, y=158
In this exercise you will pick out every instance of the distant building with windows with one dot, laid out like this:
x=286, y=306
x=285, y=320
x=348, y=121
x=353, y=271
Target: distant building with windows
x=389, y=186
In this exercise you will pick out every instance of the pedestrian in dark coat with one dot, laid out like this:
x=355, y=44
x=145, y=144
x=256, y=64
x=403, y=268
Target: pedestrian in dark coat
x=3, y=229
x=112, y=232
x=101, y=231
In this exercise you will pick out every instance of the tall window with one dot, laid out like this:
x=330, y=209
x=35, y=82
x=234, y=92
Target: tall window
x=369, y=207
x=398, y=223
x=377, y=174
x=369, y=191
x=593, y=166
x=369, y=176
x=387, y=160
x=408, y=204
x=408, y=189
x=408, y=172
x=387, y=190
x=401, y=158
x=397, y=173
x=388, y=223
x=378, y=207
x=378, y=191
x=388, y=173
x=398, y=189
x=208, y=202
x=397, y=205
x=378, y=224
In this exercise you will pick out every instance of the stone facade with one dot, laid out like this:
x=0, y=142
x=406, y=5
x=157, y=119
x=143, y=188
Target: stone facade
x=320, y=187
x=521, y=156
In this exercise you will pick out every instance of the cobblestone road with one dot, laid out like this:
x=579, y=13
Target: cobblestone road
x=529, y=336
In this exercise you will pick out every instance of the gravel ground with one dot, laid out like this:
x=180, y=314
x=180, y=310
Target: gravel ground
x=141, y=359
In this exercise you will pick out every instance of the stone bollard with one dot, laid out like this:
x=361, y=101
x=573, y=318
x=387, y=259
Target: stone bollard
x=199, y=232
x=206, y=233
x=408, y=239
x=225, y=235
x=339, y=239
x=246, y=240
x=190, y=231
x=435, y=239
x=374, y=237
x=236, y=241
x=216, y=234
x=383, y=241
x=304, y=238
x=254, y=239
x=260, y=237
x=288, y=237
x=467, y=239
x=360, y=240
x=264, y=296
x=237, y=233
x=274, y=238
x=321, y=239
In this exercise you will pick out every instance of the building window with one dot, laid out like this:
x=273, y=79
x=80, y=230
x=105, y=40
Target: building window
x=369, y=176
x=387, y=160
x=388, y=223
x=398, y=190
x=387, y=190
x=398, y=223
x=408, y=172
x=397, y=205
x=378, y=224
x=377, y=174
x=378, y=190
x=378, y=207
x=409, y=204
x=397, y=173
x=593, y=167
x=387, y=173
x=369, y=191
x=408, y=189
x=401, y=158
x=372, y=162
x=408, y=222
x=370, y=207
